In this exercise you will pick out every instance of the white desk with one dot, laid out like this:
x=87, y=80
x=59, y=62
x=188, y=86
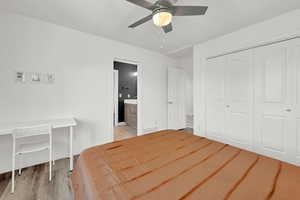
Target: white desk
x=7, y=129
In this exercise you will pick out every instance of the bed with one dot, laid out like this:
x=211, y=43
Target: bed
x=169, y=165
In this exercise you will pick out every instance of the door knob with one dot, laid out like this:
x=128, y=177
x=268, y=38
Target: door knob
x=170, y=102
x=227, y=106
x=288, y=110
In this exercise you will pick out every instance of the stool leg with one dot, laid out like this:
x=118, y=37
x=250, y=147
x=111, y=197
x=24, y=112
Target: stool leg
x=50, y=165
x=20, y=164
x=53, y=159
x=13, y=181
x=50, y=155
x=13, y=168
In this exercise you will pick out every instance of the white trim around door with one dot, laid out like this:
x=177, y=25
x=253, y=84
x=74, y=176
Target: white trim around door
x=116, y=97
x=139, y=95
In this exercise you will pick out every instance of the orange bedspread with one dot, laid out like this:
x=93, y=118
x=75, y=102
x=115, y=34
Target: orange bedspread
x=171, y=165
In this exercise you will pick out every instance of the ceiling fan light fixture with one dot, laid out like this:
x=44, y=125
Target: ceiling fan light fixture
x=163, y=11
x=162, y=18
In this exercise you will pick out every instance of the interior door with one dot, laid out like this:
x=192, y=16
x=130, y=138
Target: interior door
x=176, y=114
x=214, y=95
x=273, y=98
x=238, y=98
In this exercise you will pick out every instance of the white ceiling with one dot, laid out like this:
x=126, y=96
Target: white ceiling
x=110, y=18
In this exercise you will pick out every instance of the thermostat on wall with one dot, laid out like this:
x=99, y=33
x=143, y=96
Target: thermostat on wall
x=20, y=77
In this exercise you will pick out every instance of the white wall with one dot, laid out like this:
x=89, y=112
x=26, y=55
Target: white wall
x=271, y=30
x=83, y=66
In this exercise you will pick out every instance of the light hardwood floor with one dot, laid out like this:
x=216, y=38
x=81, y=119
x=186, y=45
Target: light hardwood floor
x=33, y=183
x=189, y=130
x=124, y=132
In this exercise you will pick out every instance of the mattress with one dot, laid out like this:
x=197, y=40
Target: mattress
x=175, y=165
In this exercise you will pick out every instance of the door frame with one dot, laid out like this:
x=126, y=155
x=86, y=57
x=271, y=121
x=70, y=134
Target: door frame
x=116, y=97
x=139, y=95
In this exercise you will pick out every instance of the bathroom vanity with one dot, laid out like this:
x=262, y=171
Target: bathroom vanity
x=131, y=112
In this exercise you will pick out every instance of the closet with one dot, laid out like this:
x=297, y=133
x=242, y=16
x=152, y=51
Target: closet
x=252, y=99
x=229, y=98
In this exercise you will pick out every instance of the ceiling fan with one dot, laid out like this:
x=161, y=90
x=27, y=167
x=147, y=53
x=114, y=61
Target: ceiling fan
x=164, y=10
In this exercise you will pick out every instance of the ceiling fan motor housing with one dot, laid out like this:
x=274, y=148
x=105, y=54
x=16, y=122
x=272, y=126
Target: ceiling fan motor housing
x=162, y=9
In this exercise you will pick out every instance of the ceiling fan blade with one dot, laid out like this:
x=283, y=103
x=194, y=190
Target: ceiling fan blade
x=168, y=28
x=173, y=1
x=141, y=21
x=167, y=3
x=143, y=3
x=189, y=10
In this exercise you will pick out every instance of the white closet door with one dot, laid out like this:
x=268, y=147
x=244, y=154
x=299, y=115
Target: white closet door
x=238, y=99
x=214, y=93
x=273, y=98
x=294, y=62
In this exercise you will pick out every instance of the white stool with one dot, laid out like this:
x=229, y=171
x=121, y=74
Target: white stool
x=29, y=140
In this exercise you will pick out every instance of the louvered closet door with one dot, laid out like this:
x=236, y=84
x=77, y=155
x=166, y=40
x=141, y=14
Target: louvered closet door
x=273, y=100
x=214, y=94
x=238, y=99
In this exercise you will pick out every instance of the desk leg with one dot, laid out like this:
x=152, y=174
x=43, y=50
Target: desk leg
x=71, y=148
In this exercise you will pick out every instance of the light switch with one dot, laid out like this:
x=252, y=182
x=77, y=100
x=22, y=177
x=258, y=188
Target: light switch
x=36, y=77
x=50, y=78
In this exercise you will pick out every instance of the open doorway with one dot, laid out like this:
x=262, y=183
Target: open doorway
x=125, y=100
